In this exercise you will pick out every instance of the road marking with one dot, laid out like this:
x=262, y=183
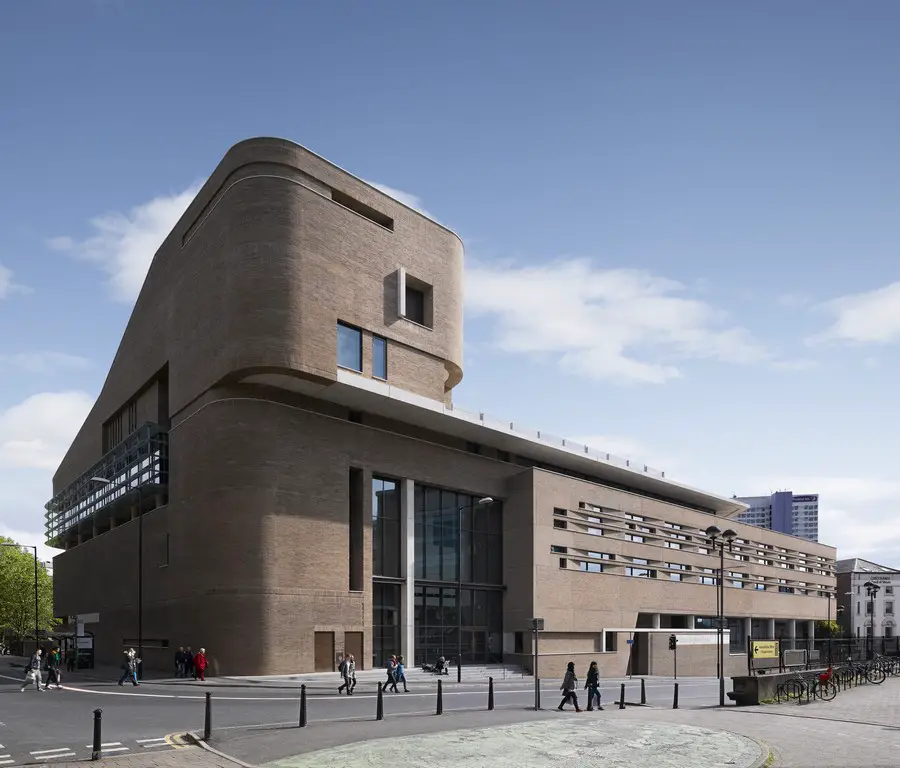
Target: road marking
x=7, y=762
x=49, y=751
x=145, y=741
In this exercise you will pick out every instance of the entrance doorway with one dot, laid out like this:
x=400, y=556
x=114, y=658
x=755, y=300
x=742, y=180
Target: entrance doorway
x=324, y=650
x=353, y=645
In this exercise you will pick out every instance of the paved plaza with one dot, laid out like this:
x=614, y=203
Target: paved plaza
x=590, y=743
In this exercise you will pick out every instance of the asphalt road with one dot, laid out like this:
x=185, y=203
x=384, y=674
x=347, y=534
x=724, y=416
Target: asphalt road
x=57, y=726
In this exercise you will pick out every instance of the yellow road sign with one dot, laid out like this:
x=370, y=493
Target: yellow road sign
x=764, y=649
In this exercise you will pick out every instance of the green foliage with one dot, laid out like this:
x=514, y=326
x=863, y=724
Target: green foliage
x=17, y=592
x=822, y=629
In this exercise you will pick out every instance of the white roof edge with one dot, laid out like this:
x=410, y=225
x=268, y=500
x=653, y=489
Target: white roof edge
x=562, y=447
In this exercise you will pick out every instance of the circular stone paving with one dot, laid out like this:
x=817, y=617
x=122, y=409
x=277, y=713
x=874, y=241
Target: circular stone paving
x=585, y=744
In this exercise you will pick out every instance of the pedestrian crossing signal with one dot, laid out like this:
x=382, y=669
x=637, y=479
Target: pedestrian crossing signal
x=673, y=642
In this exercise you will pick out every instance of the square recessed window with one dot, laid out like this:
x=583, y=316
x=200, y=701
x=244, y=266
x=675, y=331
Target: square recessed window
x=415, y=305
x=379, y=357
x=416, y=299
x=349, y=347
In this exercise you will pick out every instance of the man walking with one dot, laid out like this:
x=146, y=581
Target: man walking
x=53, y=670
x=33, y=671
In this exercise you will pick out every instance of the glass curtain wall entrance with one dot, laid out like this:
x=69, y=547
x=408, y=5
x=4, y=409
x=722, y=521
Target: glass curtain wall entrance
x=459, y=576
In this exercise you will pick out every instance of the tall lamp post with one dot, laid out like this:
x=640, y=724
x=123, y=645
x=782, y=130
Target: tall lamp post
x=720, y=539
x=871, y=591
x=459, y=510
x=37, y=642
x=140, y=569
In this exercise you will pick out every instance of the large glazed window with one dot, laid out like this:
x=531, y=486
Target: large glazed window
x=385, y=622
x=385, y=527
x=349, y=347
x=457, y=539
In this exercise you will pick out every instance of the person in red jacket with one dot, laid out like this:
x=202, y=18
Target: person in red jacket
x=200, y=664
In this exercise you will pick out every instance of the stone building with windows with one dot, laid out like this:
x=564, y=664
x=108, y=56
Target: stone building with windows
x=275, y=468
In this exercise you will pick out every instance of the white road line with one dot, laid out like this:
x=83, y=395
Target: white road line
x=61, y=754
x=7, y=762
x=49, y=751
x=144, y=741
x=106, y=744
x=114, y=749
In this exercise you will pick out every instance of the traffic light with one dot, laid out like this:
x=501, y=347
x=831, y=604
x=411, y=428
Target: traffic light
x=673, y=642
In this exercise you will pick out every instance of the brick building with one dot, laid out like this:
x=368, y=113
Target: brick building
x=275, y=470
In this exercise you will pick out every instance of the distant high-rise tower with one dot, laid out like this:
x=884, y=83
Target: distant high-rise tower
x=784, y=512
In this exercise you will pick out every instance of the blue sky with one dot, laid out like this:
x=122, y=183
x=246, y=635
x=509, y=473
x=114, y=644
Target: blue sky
x=680, y=218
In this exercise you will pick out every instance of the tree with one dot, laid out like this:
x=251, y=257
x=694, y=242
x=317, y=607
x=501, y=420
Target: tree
x=822, y=629
x=17, y=593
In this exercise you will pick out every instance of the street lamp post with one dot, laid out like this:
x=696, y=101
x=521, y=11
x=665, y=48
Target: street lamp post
x=140, y=570
x=871, y=591
x=720, y=538
x=459, y=510
x=36, y=612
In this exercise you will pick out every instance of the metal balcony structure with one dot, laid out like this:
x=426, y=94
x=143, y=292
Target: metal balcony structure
x=136, y=471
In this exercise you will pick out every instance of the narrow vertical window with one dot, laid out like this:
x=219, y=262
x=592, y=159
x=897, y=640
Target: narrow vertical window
x=379, y=357
x=349, y=347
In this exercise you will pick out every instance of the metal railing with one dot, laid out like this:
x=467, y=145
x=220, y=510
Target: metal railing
x=141, y=459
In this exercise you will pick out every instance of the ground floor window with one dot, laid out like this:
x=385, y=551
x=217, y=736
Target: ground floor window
x=385, y=622
x=456, y=621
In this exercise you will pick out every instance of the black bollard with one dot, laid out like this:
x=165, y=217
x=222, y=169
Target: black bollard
x=675, y=698
x=98, y=714
x=440, y=700
x=379, y=706
x=303, y=706
x=207, y=723
x=622, y=697
x=458, y=671
x=643, y=692
x=490, y=693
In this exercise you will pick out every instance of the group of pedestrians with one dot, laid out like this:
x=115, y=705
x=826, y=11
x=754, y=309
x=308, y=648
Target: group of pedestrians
x=33, y=674
x=591, y=685
x=190, y=664
x=396, y=673
x=347, y=670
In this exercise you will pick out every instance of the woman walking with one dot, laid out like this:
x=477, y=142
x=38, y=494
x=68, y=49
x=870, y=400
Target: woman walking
x=53, y=670
x=593, y=686
x=200, y=665
x=570, y=682
x=129, y=668
x=401, y=673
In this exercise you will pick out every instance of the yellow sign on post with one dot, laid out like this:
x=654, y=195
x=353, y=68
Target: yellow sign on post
x=764, y=649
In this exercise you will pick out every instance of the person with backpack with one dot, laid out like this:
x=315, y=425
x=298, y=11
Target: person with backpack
x=33, y=671
x=392, y=674
x=53, y=670
x=347, y=668
x=592, y=684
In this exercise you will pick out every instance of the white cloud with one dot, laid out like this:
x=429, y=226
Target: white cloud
x=410, y=200
x=123, y=244
x=44, y=361
x=7, y=286
x=616, y=324
x=34, y=436
x=37, y=432
x=869, y=317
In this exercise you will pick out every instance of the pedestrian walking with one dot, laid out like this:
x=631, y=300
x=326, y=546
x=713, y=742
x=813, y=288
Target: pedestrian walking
x=53, y=675
x=200, y=665
x=401, y=673
x=179, y=662
x=392, y=674
x=592, y=683
x=569, y=684
x=347, y=669
x=129, y=668
x=33, y=671
x=189, y=663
